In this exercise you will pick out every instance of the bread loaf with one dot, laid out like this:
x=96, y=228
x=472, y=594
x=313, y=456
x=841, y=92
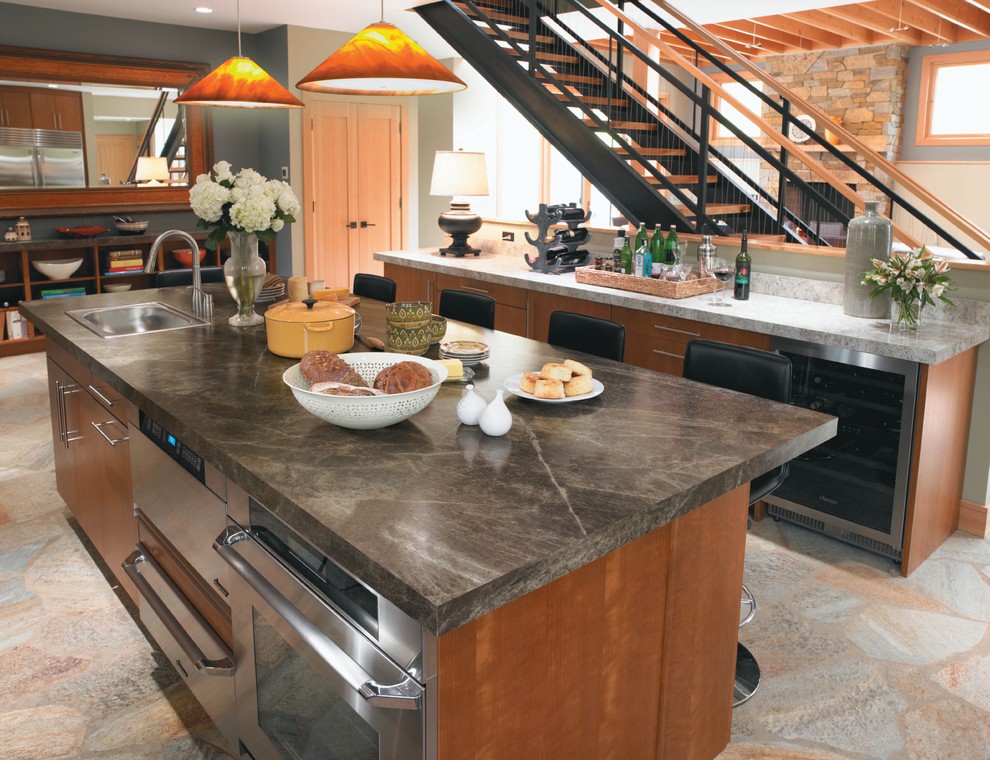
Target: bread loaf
x=403, y=377
x=555, y=371
x=327, y=367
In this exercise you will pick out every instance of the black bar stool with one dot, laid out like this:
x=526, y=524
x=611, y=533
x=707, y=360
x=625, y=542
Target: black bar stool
x=473, y=308
x=759, y=373
x=374, y=286
x=593, y=335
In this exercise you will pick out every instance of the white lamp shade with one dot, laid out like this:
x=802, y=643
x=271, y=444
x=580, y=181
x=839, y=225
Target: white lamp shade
x=458, y=172
x=151, y=168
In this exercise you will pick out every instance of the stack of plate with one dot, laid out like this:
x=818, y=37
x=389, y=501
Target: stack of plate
x=272, y=290
x=470, y=352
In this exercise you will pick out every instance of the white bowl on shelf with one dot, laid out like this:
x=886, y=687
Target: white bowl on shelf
x=58, y=269
x=117, y=287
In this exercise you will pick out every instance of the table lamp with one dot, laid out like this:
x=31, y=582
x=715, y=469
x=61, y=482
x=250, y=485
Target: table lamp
x=459, y=173
x=151, y=170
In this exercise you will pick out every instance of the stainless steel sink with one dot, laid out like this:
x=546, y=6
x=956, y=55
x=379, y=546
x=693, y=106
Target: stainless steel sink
x=134, y=319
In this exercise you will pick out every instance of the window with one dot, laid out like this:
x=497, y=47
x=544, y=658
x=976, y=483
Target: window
x=952, y=109
x=748, y=98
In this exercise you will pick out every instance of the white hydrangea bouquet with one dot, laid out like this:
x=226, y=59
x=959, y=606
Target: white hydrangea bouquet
x=242, y=202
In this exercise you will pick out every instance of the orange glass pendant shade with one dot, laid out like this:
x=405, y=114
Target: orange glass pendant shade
x=381, y=60
x=239, y=83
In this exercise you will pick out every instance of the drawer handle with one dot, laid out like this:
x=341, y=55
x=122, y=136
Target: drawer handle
x=101, y=397
x=98, y=427
x=675, y=330
x=667, y=353
x=221, y=667
x=473, y=290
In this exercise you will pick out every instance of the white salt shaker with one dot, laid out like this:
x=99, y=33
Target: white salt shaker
x=496, y=419
x=471, y=406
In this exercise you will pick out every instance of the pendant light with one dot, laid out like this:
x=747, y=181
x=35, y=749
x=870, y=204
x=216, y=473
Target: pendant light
x=381, y=60
x=239, y=82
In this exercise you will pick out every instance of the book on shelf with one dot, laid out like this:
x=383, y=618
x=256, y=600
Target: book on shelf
x=63, y=292
x=124, y=270
x=126, y=263
x=130, y=253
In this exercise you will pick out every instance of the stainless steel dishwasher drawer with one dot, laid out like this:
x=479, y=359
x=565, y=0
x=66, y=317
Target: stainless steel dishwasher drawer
x=194, y=649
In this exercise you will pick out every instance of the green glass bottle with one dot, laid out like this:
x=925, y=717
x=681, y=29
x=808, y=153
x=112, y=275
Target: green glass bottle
x=670, y=247
x=657, y=249
x=744, y=265
x=626, y=257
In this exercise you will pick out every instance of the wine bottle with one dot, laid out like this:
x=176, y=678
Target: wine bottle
x=656, y=251
x=626, y=257
x=618, y=243
x=642, y=247
x=743, y=265
x=671, y=246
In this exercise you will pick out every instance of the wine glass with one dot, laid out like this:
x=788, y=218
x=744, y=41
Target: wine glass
x=722, y=271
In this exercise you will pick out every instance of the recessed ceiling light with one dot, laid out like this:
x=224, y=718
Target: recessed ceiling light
x=204, y=9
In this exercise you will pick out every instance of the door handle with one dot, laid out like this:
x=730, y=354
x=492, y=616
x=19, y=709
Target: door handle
x=366, y=224
x=98, y=426
x=351, y=225
x=100, y=396
x=61, y=392
x=404, y=695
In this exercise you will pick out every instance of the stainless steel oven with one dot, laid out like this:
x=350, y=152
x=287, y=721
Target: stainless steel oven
x=326, y=667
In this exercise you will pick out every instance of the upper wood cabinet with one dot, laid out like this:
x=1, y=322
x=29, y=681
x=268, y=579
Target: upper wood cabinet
x=15, y=108
x=61, y=111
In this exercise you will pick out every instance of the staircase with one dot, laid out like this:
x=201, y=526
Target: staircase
x=643, y=133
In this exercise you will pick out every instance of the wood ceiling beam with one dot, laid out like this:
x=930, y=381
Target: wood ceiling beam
x=982, y=4
x=838, y=26
x=958, y=13
x=869, y=18
x=741, y=41
x=688, y=52
x=916, y=17
x=803, y=30
x=762, y=33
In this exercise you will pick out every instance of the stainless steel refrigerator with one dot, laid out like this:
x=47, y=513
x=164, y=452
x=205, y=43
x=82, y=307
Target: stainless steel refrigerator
x=41, y=158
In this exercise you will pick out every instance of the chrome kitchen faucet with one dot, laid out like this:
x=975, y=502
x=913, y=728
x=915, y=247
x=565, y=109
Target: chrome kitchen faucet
x=202, y=303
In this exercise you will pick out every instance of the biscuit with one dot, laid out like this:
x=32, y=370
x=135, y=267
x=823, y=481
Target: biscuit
x=547, y=388
x=527, y=383
x=578, y=386
x=554, y=371
x=577, y=367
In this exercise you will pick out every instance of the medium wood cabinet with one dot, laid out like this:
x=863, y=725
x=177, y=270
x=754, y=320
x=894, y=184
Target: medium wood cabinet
x=412, y=284
x=15, y=108
x=542, y=305
x=92, y=459
x=511, y=303
x=56, y=110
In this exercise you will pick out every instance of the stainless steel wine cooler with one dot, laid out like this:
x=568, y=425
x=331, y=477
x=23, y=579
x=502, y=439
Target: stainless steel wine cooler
x=855, y=486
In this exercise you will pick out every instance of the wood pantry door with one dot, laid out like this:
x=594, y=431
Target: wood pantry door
x=115, y=156
x=353, y=186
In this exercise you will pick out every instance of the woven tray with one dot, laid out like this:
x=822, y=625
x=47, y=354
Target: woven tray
x=662, y=288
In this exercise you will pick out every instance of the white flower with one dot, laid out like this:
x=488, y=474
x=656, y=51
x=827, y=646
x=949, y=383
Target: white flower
x=208, y=199
x=938, y=290
x=253, y=213
x=277, y=225
x=222, y=170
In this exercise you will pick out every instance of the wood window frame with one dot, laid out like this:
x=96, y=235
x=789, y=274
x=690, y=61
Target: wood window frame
x=723, y=79
x=930, y=65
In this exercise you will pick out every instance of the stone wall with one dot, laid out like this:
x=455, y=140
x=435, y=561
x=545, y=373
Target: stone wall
x=862, y=88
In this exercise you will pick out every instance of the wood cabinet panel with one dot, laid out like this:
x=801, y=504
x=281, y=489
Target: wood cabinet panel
x=15, y=109
x=542, y=305
x=57, y=110
x=506, y=295
x=511, y=319
x=412, y=284
x=639, y=645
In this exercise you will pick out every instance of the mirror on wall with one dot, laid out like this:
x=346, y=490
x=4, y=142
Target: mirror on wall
x=74, y=126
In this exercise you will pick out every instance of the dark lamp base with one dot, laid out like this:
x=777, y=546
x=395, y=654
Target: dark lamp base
x=460, y=222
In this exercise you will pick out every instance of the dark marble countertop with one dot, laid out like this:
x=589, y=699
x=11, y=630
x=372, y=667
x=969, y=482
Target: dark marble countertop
x=444, y=521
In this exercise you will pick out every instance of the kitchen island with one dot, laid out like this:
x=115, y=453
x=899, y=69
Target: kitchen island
x=581, y=573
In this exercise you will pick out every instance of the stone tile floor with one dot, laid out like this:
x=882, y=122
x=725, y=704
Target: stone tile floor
x=857, y=662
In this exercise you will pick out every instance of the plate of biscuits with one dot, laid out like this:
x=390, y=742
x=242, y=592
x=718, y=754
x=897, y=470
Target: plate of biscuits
x=556, y=383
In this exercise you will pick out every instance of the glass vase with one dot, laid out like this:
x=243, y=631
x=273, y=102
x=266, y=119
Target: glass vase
x=906, y=315
x=868, y=237
x=244, y=272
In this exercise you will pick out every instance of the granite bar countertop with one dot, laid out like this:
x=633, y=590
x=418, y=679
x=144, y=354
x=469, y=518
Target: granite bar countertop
x=444, y=521
x=795, y=318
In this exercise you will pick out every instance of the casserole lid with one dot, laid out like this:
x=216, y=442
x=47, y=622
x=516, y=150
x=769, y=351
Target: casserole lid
x=308, y=311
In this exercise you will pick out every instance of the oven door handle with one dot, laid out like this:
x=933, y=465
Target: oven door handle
x=223, y=667
x=405, y=695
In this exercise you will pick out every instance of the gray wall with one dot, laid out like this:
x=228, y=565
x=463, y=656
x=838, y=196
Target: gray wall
x=245, y=137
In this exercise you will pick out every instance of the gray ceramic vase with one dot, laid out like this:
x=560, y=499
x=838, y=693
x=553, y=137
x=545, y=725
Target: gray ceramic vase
x=869, y=237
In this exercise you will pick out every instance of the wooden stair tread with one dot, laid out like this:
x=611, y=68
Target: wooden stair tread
x=576, y=78
x=636, y=126
x=682, y=179
x=543, y=55
x=497, y=15
x=717, y=208
x=517, y=34
x=593, y=100
x=652, y=152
